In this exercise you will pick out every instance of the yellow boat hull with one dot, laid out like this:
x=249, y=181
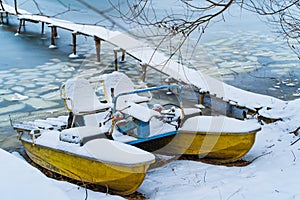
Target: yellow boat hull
x=217, y=147
x=118, y=178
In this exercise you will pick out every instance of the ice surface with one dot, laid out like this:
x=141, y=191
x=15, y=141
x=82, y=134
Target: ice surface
x=12, y=108
x=39, y=103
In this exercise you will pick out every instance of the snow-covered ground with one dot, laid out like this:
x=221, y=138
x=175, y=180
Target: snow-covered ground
x=19, y=180
x=272, y=174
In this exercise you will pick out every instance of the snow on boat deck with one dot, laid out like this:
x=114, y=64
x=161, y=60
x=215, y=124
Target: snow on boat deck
x=160, y=62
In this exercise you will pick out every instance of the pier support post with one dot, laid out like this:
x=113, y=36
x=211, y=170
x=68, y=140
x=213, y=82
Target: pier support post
x=123, y=55
x=43, y=28
x=1, y=22
x=116, y=59
x=2, y=11
x=98, y=47
x=20, y=26
x=144, y=70
x=53, y=30
x=116, y=50
x=74, y=54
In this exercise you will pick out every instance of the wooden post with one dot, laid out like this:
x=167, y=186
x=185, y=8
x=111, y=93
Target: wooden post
x=2, y=11
x=43, y=28
x=74, y=43
x=116, y=59
x=55, y=32
x=123, y=55
x=144, y=70
x=98, y=47
x=20, y=25
x=52, y=46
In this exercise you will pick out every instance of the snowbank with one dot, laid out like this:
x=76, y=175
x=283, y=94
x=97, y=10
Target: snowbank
x=19, y=180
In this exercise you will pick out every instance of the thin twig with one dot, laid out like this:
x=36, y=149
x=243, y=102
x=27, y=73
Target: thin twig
x=261, y=156
x=293, y=155
x=295, y=142
x=86, y=193
x=295, y=132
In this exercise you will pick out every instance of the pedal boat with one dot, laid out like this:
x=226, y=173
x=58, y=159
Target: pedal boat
x=119, y=167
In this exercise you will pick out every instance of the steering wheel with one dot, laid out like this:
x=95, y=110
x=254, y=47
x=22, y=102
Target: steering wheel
x=169, y=105
x=171, y=121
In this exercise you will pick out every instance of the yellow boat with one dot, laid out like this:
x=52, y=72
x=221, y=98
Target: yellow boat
x=219, y=139
x=119, y=167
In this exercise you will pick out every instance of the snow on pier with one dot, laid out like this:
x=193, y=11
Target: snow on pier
x=218, y=95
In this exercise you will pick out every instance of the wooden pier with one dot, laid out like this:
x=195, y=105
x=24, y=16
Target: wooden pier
x=212, y=92
x=98, y=33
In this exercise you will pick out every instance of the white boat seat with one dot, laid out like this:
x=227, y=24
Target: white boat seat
x=120, y=83
x=117, y=153
x=140, y=112
x=80, y=97
x=81, y=134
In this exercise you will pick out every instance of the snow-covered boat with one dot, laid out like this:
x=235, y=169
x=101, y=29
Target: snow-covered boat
x=125, y=115
x=119, y=167
x=218, y=139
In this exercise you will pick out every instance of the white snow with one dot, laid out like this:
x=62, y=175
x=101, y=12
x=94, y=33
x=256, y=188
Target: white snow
x=218, y=124
x=19, y=180
x=72, y=55
x=52, y=46
x=140, y=112
x=117, y=152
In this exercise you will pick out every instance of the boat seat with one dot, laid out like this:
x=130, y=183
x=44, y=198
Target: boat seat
x=81, y=135
x=118, y=83
x=117, y=153
x=140, y=112
x=80, y=97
